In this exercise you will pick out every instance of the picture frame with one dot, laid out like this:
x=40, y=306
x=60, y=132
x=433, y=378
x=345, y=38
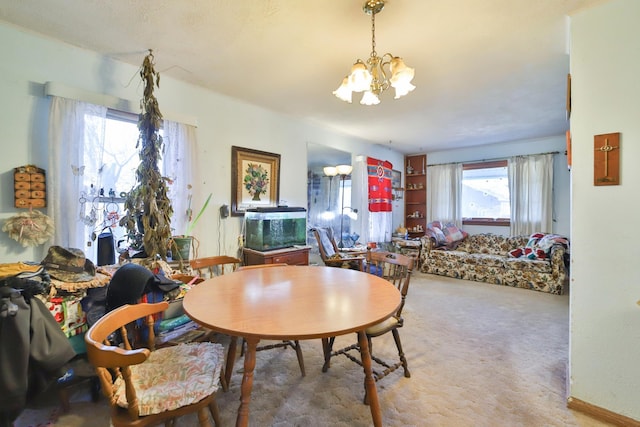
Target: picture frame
x=396, y=179
x=255, y=179
x=396, y=185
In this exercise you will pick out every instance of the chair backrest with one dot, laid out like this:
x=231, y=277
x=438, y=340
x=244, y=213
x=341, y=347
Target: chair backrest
x=326, y=243
x=393, y=267
x=251, y=267
x=214, y=265
x=112, y=362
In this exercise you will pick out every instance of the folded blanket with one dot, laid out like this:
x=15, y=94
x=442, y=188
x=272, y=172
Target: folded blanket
x=539, y=246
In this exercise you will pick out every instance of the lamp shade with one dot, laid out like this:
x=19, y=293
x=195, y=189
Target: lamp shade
x=330, y=170
x=370, y=98
x=344, y=91
x=344, y=169
x=401, y=77
x=360, y=77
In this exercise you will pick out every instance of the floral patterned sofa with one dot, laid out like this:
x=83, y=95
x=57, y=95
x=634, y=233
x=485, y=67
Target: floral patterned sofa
x=533, y=262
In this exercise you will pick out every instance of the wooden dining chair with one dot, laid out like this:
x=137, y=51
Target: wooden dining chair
x=250, y=267
x=214, y=265
x=330, y=253
x=395, y=268
x=145, y=386
x=295, y=345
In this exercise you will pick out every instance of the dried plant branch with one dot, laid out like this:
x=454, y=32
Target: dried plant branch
x=148, y=201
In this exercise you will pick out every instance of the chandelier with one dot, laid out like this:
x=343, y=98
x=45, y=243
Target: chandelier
x=373, y=78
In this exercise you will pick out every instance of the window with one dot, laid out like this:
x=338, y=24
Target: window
x=485, y=194
x=119, y=156
x=102, y=204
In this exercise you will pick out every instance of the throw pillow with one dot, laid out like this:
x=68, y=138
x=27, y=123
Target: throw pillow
x=437, y=224
x=440, y=237
x=452, y=233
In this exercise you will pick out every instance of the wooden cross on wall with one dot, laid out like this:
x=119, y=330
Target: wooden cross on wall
x=606, y=160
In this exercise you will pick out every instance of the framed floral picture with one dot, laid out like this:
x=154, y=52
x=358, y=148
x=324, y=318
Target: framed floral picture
x=255, y=179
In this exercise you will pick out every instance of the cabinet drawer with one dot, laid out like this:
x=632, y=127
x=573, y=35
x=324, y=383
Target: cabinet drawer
x=293, y=256
x=296, y=258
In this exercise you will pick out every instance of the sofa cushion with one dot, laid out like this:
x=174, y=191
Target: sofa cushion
x=449, y=255
x=488, y=260
x=486, y=243
x=526, y=264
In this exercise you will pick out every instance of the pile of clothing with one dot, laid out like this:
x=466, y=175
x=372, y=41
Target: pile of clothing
x=33, y=348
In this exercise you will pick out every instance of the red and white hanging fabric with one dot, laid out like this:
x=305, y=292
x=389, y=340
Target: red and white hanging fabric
x=379, y=183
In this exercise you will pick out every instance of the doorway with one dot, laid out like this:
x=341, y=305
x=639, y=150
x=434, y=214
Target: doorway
x=324, y=193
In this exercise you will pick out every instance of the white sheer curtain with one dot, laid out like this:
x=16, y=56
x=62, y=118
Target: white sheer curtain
x=179, y=152
x=444, y=193
x=77, y=146
x=531, y=193
x=76, y=137
x=373, y=226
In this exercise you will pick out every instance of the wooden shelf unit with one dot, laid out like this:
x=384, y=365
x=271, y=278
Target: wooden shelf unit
x=415, y=194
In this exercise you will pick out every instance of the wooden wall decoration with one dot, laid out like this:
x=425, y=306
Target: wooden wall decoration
x=606, y=159
x=30, y=186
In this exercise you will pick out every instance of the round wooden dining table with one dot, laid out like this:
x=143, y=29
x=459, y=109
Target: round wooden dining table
x=293, y=303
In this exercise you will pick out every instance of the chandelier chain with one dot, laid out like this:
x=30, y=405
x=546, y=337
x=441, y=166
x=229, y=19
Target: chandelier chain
x=373, y=35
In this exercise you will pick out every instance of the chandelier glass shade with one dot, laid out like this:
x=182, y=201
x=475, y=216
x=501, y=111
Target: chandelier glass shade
x=379, y=73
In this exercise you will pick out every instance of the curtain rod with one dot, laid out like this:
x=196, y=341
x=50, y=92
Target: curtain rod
x=64, y=91
x=496, y=158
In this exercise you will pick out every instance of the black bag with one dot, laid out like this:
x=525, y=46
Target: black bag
x=106, y=248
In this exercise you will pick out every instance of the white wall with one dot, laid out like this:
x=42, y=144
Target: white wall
x=29, y=61
x=561, y=174
x=605, y=280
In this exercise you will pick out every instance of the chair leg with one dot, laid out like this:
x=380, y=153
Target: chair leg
x=403, y=360
x=223, y=380
x=231, y=360
x=300, y=358
x=327, y=348
x=203, y=418
x=215, y=413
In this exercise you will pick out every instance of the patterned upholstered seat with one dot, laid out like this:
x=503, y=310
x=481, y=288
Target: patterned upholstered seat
x=147, y=387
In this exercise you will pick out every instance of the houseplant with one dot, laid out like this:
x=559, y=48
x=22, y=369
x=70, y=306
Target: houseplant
x=181, y=245
x=148, y=202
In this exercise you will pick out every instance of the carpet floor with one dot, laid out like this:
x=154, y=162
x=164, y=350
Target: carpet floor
x=479, y=355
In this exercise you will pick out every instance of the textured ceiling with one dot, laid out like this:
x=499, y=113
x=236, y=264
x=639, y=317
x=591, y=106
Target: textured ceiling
x=487, y=71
